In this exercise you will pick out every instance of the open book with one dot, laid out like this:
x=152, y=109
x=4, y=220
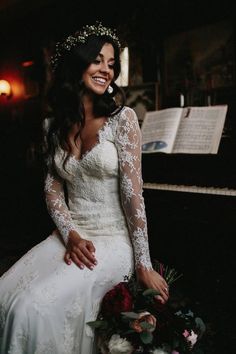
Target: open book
x=191, y=130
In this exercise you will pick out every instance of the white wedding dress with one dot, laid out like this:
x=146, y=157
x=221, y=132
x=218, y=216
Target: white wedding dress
x=45, y=303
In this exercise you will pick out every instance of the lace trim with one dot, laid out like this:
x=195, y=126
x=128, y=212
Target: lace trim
x=127, y=188
x=141, y=249
x=101, y=134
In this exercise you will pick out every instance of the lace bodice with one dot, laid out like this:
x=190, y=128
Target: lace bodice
x=104, y=188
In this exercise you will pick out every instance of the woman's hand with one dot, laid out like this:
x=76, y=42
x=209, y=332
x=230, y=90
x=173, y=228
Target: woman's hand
x=153, y=280
x=80, y=251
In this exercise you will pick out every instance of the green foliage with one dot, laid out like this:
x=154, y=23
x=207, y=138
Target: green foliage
x=98, y=324
x=151, y=292
x=132, y=315
x=146, y=337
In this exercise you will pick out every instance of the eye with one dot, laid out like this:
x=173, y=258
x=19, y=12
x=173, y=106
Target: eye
x=96, y=61
x=111, y=66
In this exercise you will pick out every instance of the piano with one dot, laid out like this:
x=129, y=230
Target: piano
x=190, y=189
x=193, y=173
x=191, y=217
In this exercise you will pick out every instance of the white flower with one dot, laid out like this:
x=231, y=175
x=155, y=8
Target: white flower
x=192, y=338
x=158, y=351
x=118, y=345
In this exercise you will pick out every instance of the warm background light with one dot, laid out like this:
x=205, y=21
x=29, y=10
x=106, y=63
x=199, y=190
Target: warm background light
x=27, y=63
x=5, y=88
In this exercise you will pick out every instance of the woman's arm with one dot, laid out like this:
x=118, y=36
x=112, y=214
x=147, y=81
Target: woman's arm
x=128, y=142
x=56, y=205
x=79, y=250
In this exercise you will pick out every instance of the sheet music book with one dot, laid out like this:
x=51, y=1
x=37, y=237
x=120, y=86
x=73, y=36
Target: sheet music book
x=189, y=130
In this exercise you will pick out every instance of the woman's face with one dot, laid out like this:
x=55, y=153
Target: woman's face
x=98, y=76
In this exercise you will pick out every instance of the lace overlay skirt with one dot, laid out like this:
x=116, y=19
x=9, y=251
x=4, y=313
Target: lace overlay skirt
x=45, y=303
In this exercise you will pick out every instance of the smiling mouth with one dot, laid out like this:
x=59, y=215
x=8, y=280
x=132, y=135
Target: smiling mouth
x=99, y=80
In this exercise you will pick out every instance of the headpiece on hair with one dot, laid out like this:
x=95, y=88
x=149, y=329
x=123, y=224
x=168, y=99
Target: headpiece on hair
x=80, y=37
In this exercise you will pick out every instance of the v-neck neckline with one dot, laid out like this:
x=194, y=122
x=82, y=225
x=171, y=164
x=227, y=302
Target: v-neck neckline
x=96, y=144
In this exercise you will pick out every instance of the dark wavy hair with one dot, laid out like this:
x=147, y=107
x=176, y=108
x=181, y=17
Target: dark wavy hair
x=64, y=97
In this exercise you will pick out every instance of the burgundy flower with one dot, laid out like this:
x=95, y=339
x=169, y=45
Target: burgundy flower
x=117, y=300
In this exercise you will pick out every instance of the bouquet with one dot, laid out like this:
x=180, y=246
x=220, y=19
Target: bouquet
x=132, y=321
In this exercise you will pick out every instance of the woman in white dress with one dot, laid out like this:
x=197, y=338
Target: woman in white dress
x=93, y=193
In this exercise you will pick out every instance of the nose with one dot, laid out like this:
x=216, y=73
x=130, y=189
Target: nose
x=104, y=67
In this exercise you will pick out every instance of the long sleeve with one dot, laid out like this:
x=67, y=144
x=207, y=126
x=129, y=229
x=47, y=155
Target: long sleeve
x=56, y=204
x=128, y=142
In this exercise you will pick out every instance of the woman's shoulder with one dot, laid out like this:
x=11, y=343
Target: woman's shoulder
x=126, y=121
x=127, y=113
x=128, y=110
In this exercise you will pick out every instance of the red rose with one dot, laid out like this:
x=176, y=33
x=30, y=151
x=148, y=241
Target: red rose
x=117, y=300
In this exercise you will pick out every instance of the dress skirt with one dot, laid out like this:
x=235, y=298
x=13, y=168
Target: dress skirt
x=45, y=303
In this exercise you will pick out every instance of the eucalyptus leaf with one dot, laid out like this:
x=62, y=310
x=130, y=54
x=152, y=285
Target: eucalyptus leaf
x=132, y=315
x=146, y=337
x=98, y=324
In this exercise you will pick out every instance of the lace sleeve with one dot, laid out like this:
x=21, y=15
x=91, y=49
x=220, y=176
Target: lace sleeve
x=56, y=205
x=128, y=142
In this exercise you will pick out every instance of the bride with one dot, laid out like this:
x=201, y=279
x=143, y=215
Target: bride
x=93, y=192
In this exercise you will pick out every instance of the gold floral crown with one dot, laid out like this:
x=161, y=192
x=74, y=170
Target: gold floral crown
x=80, y=37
